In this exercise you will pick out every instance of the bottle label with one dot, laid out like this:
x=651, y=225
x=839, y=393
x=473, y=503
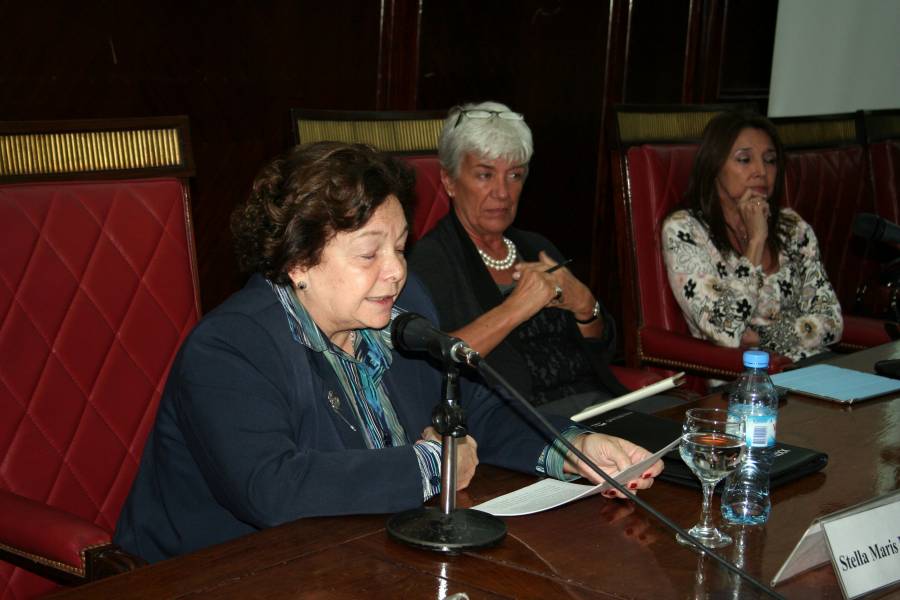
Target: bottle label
x=760, y=432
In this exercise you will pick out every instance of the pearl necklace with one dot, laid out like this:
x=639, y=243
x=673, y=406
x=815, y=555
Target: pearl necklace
x=500, y=265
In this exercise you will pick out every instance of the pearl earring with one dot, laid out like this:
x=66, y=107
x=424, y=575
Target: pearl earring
x=301, y=285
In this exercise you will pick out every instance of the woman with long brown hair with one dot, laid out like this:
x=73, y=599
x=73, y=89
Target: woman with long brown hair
x=745, y=271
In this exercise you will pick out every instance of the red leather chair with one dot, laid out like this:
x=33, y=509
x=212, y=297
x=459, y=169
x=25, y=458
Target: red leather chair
x=98, y=287
x=414, y=136
x=882, y=128
x=827, y=182
x=652, y=155
x=881, y=295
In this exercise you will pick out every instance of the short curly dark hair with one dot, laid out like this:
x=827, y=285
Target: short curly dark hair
x=301, y=199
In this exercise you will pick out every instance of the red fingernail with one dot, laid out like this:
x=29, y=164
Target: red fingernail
x=646, y=476
x=632, y=486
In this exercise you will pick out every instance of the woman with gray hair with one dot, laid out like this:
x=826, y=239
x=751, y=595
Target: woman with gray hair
x=495, y=286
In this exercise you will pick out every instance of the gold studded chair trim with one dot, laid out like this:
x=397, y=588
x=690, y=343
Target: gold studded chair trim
x=640, y=127
x=799, y=134
x=413, y=135
x=153, y=145
x=666, y=123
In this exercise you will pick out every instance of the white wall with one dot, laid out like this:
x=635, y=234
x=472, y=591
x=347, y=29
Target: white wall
x=834, y=56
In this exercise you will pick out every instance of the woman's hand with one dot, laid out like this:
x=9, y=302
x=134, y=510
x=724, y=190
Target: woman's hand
x=754, y=210
x=575, y=296
x=749, y=338
x=613, y=455
x=534, y=289
x=466, y=456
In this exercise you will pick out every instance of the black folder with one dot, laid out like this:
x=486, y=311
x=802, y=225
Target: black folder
x=653, y=433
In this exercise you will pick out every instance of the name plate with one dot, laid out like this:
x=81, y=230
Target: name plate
x=865, y=549
x=862, y=542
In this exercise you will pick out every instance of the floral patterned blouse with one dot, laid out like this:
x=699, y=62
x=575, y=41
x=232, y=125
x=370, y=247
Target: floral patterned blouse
x=794, y=310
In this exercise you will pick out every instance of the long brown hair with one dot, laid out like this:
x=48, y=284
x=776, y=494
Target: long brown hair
x=702, y=198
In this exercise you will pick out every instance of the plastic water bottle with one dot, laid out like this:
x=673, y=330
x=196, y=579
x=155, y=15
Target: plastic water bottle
x=754, y=399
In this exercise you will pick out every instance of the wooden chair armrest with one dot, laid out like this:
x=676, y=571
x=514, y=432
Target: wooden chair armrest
x=57, y=544
x=683, y=352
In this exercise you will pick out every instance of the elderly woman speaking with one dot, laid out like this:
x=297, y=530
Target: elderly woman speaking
x=492, y=283
x=288, y=401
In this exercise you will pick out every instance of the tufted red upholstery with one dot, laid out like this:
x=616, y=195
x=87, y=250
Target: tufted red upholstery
x=97, y=290
x=828, y=188
x=882, y=132
x=885, y=163
x=658, y=178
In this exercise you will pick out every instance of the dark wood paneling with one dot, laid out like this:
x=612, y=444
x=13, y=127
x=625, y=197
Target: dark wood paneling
x=645, y=62
x=657, y=37
x=748, y=42
x=544, y=59
x=734, y=58
x=235, y=68
x=605, y=264
x=398, y=55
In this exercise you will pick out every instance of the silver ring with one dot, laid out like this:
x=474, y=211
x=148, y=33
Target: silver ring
x=558, y=295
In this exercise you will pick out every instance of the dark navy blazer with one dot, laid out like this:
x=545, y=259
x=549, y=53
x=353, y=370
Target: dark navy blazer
x=246, y=438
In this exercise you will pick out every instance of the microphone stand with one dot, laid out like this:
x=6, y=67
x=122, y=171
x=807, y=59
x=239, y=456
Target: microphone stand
x=447, y=529
x=451, y=530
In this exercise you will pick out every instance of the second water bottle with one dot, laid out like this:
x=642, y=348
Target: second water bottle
x=745, y=499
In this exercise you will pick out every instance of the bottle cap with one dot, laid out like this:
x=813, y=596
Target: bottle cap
x=756, y=359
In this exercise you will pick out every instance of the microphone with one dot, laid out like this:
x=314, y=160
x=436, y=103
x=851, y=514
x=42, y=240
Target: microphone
x=414, y=333
x=876, y=229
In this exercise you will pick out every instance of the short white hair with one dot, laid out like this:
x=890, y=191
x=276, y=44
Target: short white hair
x=488, y=138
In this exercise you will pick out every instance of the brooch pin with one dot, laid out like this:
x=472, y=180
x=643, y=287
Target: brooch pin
x=335, y=402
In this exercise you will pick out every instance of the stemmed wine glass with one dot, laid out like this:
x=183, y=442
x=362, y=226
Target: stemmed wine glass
x=712, y=444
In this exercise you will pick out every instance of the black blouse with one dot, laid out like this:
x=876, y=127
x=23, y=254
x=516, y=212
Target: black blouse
x=546, y=357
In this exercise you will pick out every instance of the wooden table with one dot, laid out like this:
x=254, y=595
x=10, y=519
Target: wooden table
x=593, y=548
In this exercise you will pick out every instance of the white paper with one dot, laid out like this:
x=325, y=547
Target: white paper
x=644, y=392
x=550, y=493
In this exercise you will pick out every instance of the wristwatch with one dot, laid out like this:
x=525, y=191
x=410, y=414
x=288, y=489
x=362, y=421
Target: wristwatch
x=594, y=314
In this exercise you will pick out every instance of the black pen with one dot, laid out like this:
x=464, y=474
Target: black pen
x=558, y=266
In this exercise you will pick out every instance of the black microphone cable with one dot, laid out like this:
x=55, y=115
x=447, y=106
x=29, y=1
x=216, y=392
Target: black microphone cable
x=492, y=375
